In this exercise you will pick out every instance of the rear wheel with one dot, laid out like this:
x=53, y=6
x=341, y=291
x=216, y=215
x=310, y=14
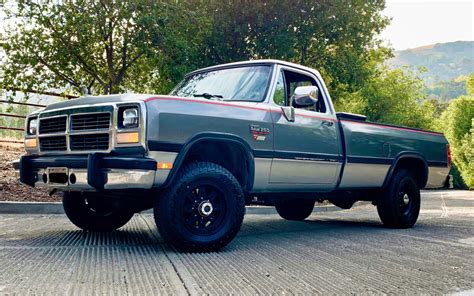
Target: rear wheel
x=295, y=209
x=92, y=212
x=202, y=210
x=399, y=206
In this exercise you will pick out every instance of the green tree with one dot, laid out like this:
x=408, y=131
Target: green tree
x=447, y=90
x=458, y=126
x=147, y=46
x=337, y=37
x=106, y=46
x=470, y=85
x=392, y=96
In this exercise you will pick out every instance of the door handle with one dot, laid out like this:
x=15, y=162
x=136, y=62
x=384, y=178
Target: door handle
x=327, y=123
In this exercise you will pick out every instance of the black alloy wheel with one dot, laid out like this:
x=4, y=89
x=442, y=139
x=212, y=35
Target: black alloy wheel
x=202, y=210
x=399, y=205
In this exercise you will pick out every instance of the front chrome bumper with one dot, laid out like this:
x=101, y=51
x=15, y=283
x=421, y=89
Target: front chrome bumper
x=88, y=172
x=115, y=179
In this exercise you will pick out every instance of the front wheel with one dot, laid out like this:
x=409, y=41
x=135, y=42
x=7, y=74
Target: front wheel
x=92, y=212
x=295, y=209
x=399, y=206
x=202, y=210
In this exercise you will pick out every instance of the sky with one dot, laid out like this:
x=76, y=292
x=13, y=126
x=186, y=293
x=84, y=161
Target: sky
x=421, y=22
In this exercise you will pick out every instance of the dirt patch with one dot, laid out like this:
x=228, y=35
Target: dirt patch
x=10, y=187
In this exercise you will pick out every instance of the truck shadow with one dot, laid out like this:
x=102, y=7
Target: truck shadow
x=326, y=234
x=255, y=232
x=320, y=227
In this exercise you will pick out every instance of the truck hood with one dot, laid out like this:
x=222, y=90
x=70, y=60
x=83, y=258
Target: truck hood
x=123, y=98
x=92, y=100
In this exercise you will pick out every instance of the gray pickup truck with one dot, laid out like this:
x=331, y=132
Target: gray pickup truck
x=259, y=132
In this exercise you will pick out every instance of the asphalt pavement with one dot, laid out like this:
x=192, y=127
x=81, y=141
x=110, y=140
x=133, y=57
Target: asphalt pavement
x=344, y=252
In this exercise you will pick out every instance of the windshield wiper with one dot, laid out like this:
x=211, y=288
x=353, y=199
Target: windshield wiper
x=209, y=96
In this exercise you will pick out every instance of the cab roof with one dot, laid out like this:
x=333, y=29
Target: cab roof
x=256, y=62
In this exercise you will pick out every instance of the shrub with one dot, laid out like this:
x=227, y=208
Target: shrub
x=458, y=126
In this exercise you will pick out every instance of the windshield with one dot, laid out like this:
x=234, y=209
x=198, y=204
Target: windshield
x=233, y=84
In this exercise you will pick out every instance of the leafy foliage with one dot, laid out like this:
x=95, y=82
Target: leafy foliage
x=446, y=66
x=106, y=46
x=470, y=85
x=458, y=125
x=147, y=46
x=337, y=37
x=445, y=91
x=393, y=96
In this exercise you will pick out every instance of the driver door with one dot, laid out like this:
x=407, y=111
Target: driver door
x=307, y=152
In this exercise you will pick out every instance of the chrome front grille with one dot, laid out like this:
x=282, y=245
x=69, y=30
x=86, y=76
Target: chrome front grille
x=57, y=143
x=90, y=122
x=53, y=125
x=75, y=132
x=89, y=142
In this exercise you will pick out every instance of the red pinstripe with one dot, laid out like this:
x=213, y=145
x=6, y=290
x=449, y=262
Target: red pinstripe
x=269, y=109
x=394, y=127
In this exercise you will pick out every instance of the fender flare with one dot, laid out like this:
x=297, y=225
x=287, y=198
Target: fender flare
x=196, y=139
x=404, y=155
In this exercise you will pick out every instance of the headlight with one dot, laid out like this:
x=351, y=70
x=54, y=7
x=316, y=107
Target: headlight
x=128, y=117
x=32, y=126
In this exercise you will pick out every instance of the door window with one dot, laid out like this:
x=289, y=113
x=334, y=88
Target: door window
x=279, y=97
x=287, y=82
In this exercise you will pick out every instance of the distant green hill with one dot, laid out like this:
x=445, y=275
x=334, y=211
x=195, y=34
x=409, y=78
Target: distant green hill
x=444, y=61
x=447, y=65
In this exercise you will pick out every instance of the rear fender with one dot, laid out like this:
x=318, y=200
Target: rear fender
x=405, y=156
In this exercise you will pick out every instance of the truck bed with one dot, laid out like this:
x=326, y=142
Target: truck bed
x=370, y=149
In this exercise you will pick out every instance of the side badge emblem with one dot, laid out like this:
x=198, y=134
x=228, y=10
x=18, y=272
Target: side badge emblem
x=259, y=133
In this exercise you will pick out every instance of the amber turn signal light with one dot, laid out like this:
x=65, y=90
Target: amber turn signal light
x=164, y=165
x=128, y=138
x=30, y=143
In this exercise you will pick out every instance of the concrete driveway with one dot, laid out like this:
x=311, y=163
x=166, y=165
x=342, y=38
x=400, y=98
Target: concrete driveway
x=343, y=252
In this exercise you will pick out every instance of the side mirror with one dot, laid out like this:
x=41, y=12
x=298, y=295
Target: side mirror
x=289, y=113
x=305, y=96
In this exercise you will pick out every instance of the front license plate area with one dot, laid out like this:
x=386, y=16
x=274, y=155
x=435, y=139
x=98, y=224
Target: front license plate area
x=58, y=176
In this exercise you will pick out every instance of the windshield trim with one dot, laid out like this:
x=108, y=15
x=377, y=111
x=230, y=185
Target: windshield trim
x=225, y=67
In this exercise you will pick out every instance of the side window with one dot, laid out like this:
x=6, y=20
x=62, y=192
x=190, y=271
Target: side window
x=294, y=80
x=280, y=95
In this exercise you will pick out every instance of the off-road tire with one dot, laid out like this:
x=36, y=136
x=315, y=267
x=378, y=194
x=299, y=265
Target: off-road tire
x=179, y=213
x=399, y=205
x=81, y=212
x=295, y=209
